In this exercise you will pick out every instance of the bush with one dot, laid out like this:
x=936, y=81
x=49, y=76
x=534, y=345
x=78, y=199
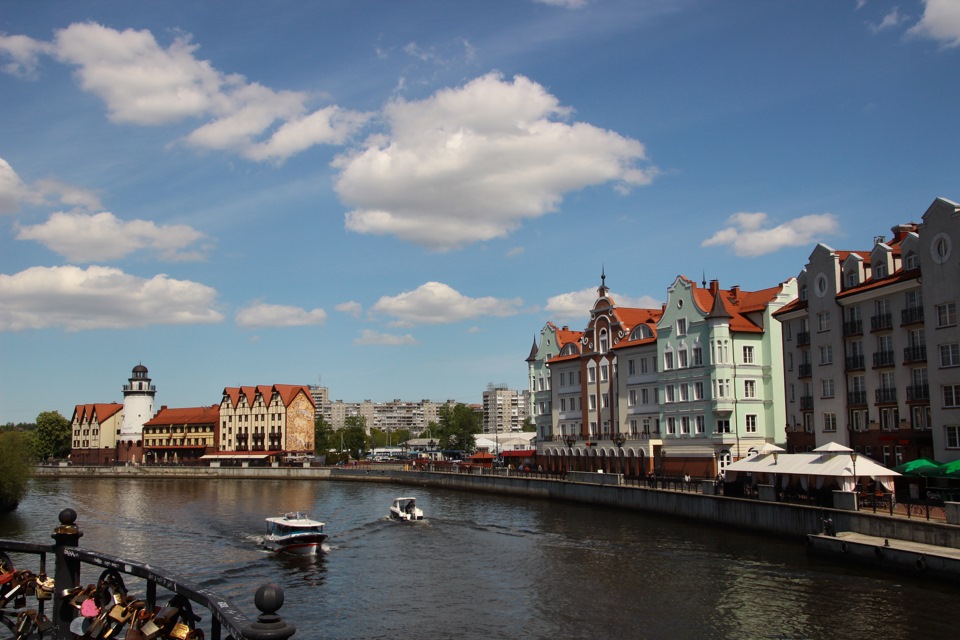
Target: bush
x=16, y=458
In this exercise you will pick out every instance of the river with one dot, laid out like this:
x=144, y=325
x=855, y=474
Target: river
x=483, y=566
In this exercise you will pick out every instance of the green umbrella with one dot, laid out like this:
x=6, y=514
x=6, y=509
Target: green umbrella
x=951, y=469
x=942, y=470
x=918, y=467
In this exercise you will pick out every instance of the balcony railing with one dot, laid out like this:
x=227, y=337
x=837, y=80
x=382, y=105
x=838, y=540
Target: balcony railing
x=881, y=322
x=853, y=328
x=918, y=392
x=886, y=395
x=803, y=338
x=857, y=398
x=806, y=403
x=805, y=370
x=883, y=359
x=911, y=315
x=916, y=353
x=855, y=363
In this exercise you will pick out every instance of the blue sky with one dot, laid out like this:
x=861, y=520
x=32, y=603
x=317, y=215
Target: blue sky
x=392, y=198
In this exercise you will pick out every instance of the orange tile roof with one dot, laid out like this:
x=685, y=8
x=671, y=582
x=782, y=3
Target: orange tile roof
x=287, y=393
x=102, y=411
x=737, y=303
x=185, y=415
x=898, y=276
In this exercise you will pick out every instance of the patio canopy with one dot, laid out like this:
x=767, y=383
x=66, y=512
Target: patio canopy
x=824, y=465
x=917, y=467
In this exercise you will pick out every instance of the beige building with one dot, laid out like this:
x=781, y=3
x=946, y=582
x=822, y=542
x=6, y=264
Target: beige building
x=181, y=435
x=504, y=410
x=95, y=429
x=272, y=418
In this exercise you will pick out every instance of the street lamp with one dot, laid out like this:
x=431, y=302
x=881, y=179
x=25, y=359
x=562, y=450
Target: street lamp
x=570, y=440
x=618, y=440
x=853, y=457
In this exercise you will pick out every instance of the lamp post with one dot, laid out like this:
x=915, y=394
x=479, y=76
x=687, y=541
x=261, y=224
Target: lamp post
x=618, y=440
x=570, y=440
x=853, y=457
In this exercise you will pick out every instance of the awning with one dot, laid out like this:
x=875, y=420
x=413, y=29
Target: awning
x=527, y=453
x=235, y=456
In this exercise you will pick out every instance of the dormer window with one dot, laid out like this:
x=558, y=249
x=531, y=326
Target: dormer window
x=852, y=279
x=912, y=261
x=604, y=342
x=880, y=271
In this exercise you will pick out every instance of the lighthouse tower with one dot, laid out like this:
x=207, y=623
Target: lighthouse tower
x=137, y=408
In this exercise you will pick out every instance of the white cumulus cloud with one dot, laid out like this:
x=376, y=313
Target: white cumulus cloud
x=83, y=237
x=97, y=297
x=750, y=235
x=144, y=83
x=472, y=163
x=15, y=192
x=940, y=21
x=352, y=308
x=370, y=337
x=438, y=303
x=261, y=315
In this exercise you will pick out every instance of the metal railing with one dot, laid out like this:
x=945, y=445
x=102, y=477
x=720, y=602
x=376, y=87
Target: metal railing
x=226, y=620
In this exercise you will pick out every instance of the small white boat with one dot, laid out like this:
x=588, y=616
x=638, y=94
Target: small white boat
x=405, y=509
x=294, y=533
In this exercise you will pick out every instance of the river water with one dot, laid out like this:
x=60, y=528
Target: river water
x=483, y=566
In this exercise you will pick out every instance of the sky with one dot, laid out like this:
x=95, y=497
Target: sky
x=391, y=199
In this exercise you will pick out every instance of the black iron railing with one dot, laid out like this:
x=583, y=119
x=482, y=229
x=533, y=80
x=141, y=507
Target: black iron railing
x=24, y=603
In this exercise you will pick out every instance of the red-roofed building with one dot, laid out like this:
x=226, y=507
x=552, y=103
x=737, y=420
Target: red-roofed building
x=94, y=432
x=871, y=355
x=552, y=341
x=276, y=419
x=181, y=435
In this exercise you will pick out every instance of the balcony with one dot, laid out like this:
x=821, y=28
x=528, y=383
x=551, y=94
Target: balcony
x=854, y=363
x=806, y=403
x=853, y=328
x=887, y=395
x=918, y=393
x=857, y=398
x=805, y=370
x=803, y=338
x=881, y=322
x=916, y=353
x=911, y=315
x=883, y=359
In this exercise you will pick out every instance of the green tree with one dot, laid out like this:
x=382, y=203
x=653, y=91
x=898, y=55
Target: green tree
x=457, y=427
x=322, y=436
x=16, y=456
x=528, y=425
x=53, y=435
x=354, y=434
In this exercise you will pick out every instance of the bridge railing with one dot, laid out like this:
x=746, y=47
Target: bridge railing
x=25, y=596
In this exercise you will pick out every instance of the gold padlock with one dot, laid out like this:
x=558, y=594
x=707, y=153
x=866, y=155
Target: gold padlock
x=149, y=629
x=180, y=631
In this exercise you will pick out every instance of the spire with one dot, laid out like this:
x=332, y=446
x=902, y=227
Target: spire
x=603, y=283
x=533, y=351
x=719, y=310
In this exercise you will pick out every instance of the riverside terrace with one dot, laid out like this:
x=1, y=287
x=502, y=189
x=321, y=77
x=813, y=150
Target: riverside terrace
x=24, y=596
x=697, y=500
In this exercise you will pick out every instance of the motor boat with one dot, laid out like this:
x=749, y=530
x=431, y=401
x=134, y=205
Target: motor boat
x=294, y=533
x=405, y=509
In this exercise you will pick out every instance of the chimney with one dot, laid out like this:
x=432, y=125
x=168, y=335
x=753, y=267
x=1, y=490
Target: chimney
x=735, y=293
x=714, y=286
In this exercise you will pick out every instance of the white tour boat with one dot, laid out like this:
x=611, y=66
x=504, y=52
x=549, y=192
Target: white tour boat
x=294, y=533
x=405, y=509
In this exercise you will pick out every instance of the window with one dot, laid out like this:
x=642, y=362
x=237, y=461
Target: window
x=889, y=417
x=951, y=395
x=604, y=400
x=632, y=397
x=696, y=356
x=643, y=365
x=723, y=388
x=947, y=314
x=669, y=392
x=698, y=391
x=852, y=278
x=604, y=373
x=858, y=420
x=591, y=374
x=949, y=355
x=700, y=424
x=685, y=425
x=644, y=396
x=671, y=426
x=684, y=393
x=823, y=321
x=829, y=422
x=668, y=360
x=921, y=418
x=631, y=367
x=593, y=402
x=748, y=355
x=682, y=359
x=826, y=354
x=952, y=434
x=563, y=404
x=681, y=326
x=749, y=388
x=880, y=271
x=751, y=423
x=604, y=342
x=723, y=426
x=911, y=261
x=828, y=387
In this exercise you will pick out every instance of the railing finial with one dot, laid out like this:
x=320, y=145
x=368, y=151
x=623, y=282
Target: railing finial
x=269, y=625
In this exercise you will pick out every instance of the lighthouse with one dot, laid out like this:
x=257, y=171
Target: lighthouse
x=138, y=395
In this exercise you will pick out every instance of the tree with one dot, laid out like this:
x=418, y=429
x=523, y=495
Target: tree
x=53, y=435
x=528, y=426
x=16, y=456
x=354, y=435
x=322, y=436
x=457, y=427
